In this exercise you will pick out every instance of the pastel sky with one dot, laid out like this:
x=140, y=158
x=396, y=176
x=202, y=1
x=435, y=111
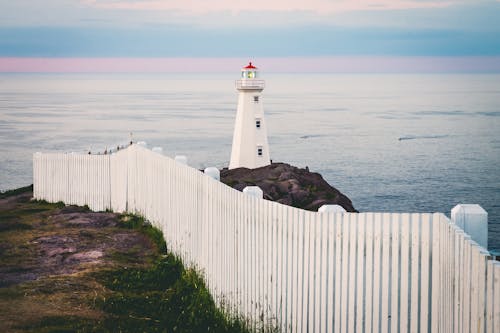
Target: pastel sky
x=45, y=31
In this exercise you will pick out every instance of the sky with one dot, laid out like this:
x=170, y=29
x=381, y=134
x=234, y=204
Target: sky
x=460, y=35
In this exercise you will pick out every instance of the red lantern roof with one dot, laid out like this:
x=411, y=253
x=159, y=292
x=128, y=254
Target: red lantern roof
x=250, y=66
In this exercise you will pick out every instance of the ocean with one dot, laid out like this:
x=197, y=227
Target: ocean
x=390, y=142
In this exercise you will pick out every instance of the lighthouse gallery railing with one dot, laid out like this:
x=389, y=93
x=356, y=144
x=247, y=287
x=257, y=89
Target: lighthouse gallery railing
x=250, y=84
x=281, y=266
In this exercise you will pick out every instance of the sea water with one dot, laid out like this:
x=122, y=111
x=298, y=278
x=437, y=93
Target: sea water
x=390, y=142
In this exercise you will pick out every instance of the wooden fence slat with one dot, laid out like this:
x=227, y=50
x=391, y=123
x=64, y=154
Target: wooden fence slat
x=330, y=303
x=405, y=273
x=323, y=273
x=288, y=267
x=447, y=290
x=248, y=259
x=425, y=243
x=286, y=297
x=316, y=277
x=475, y=318
x=458, y=281
x=415, y=272
x=255, y=263
x=360, y=274
x=481, y=281
x=305, y=274
x=338, y=271
x=377, y=263
x=466, y=288
x=266, y=253
x=395, y=269
x=496, y=298
x=345, y=273
x=300, y=272
x=385, y=287
x=353, y=235
x=490, y=294
x=369, y=272
x=280, y=266
x=295, y=263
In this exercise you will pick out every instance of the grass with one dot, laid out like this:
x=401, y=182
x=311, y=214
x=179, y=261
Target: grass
x=17, y=191
x=141, y=288
x=138, y=223
x=163, y=298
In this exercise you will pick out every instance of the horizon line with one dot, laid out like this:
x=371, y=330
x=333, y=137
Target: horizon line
x=294, y=64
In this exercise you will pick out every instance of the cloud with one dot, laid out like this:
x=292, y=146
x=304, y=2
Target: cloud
x=74, y=28
x=174, y=41
x=267, y=65
x=320, y=7
x=236, y=13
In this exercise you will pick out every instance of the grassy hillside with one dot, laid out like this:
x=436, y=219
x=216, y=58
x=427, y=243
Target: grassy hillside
x=67, y=269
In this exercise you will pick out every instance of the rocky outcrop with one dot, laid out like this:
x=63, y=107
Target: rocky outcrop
x=288, y=185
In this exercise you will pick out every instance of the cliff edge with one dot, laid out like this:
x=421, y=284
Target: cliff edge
x=289, y=185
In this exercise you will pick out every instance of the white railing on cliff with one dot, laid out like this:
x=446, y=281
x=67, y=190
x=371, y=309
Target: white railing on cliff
x=281, y=266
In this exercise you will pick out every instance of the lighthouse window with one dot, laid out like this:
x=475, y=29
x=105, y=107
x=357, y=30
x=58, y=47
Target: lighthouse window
x=256, y=99
x=257, y=123
x=259, y=151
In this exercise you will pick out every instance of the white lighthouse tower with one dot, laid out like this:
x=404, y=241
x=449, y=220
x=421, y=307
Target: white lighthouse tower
x=250, y=146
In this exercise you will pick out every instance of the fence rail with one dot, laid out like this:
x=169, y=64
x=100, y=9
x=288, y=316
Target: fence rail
x=280, y=266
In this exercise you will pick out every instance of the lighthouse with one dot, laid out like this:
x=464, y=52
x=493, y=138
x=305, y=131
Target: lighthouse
x=250, y=147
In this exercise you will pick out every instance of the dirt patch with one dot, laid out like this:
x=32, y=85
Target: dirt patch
x=13, y=201
x=60, y=240
x=74, y=216
x=49, y=254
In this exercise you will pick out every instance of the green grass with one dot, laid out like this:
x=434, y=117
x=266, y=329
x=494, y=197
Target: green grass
x=142, y=289
x=62, y=324
x=16, y=191
x=130, y=221
x=163, y=298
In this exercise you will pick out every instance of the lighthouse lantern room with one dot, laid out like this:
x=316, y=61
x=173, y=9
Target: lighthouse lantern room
x=250, y=146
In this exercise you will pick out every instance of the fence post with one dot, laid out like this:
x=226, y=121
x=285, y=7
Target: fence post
x=212, y=172
x=37, y=176
x=158, y=150
x=331, y=209
x=181, y=159
x=473, y=219
x=254, y=191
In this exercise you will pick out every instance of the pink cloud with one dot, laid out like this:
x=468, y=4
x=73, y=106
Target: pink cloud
x=357, y=64
x=317, y=6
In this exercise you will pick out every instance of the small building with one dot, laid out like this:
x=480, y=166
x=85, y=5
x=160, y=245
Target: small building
x=250, y=146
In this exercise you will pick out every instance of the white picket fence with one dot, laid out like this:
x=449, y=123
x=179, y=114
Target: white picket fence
x=284, y=267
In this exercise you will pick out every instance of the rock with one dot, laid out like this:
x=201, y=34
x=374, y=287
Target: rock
x=288, y=185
